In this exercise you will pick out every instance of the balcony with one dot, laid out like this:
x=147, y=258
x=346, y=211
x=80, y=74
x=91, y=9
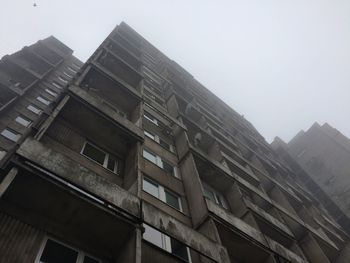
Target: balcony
x=122, y=99
x=31, y=62
x=119, y=69
x=46, y=53
x=7, y=96
x=124, y=54
x=14, y=76
x=68, y=209
x=121, y=40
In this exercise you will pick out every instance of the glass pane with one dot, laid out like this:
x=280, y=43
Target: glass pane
x=111, y=165
x=179, y=249
x=34, y=109
x=149, y=135
x=168, y=168
x=172, y=200
x=23, y=121
x=209, y=194
x=45, y=101
x=94, y=153
x=152, y=235
x=150, y=187
x=150, y=157
x=164, y=144
x=57, y=253
x=90, y=260
x=10, y=135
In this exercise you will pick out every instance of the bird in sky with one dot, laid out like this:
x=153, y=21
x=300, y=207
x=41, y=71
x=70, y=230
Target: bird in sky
x=35, y=5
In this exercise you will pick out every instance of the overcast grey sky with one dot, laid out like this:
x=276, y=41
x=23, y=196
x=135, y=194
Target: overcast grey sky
x=282, y=64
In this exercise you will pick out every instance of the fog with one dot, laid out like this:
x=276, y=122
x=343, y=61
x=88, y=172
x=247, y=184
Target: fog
x=281, y=64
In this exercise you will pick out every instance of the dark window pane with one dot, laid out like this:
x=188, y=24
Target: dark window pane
x=172, y=200
x=94, y=153
x=179, y=249
x=164, y=144
x=111, y=163
x=209, y=194
x=57, y=253
x=90, y=260
x=168, y=168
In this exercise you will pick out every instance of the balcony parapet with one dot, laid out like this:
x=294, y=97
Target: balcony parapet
x=268, y=217
x=183, y=233
x=256, y=235
x=108, y=111
x=79, y=176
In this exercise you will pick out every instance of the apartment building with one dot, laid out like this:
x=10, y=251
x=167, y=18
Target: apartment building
x=135, y=161
x=324, y=153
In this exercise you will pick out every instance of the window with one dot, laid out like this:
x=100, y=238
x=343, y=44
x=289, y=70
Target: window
x=67, y=75
x=56, y=252
x=157, y=160
x=71, y=69
x=166, y=242
x=151, y=118
x=158, y=191
x=11, y=135
x=214, y=196
x=2, y=154
x=51, y=92
x=160, y=141
x=101, y=157
x=57, y=85
x=34, y=109
x=23, y=121
x=62, y=79
x=43, y=100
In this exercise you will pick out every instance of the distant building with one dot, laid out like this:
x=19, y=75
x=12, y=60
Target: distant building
x=324, y=153
x=127, y=158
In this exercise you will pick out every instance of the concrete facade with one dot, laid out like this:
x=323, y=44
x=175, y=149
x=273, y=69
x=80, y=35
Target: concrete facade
x=324, y=153
x=135, y=161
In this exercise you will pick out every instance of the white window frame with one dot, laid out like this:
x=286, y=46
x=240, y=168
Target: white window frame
x=106, y=158
x=154, y=120
x=157, y=139
x=43, y=100
x=16, y=136
x=55, y=84
x=62, y=79
x=219, y=198
x=81, y=253
x=31, y=108
x=161, y=193
x=72, y=70
x=51, y=92
x=66, y=74
x=25, y=119
x=159, y=161
x=166, y=242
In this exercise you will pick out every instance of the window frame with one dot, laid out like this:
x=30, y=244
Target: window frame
x=157, y=139
x=55, y=84
x=43, y=100
x=162, y=193
x=35, y=107
x=155, y=121
x=51, y=92
x=159, y=161
x=30, y=122
x=106, y=158
x=81, y=253
x=17, y=134
x=166, y=243
x=62, y=79
x=219, y=198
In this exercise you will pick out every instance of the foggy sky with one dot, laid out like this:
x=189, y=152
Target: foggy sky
x=281, y=64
